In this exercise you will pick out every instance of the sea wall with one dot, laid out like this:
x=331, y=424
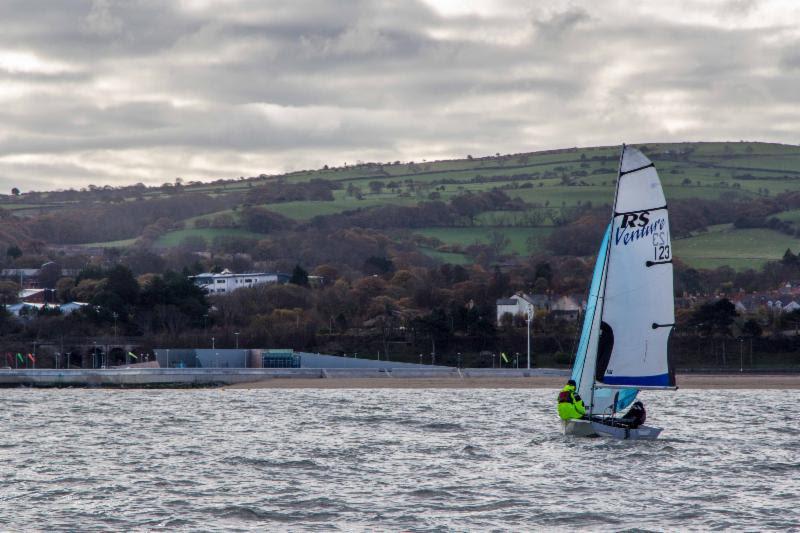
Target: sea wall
x=204, y=377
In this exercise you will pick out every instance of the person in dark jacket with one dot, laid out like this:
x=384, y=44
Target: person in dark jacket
x=635, y=416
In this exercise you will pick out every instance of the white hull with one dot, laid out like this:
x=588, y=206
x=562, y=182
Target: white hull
x=579, y=428
x=585, y=428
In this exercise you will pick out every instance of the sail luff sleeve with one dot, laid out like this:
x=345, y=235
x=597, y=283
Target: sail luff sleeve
x=583, y=369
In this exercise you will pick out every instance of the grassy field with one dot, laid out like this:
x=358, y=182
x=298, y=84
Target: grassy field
x=174, y=238
x=517, y=237
x=738, y=248
x=341, y=203
x=792, y=215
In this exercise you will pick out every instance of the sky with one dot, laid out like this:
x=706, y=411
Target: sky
x=110, y=92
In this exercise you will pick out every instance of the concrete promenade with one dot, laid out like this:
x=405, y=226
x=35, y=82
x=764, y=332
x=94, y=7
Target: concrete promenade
x=209, y=377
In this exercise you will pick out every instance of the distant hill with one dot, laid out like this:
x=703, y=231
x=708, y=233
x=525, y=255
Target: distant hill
x=455, y=211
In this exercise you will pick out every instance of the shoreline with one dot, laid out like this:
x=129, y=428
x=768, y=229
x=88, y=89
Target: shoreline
x=685, y=381
x=338, y=378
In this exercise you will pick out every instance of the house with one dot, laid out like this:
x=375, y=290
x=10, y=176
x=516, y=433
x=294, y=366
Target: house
x=32, y=296
x=541, y=302
x=226, y=281
x=568, y=307
x=517, y=305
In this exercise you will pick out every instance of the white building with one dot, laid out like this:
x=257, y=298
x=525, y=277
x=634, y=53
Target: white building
x=226, y=281
x=515, y=305
x=32, y=309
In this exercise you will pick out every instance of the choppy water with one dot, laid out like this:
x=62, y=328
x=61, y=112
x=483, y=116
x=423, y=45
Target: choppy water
x=423, y=460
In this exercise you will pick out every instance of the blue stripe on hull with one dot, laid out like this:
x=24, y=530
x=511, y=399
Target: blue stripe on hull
x=660, y=380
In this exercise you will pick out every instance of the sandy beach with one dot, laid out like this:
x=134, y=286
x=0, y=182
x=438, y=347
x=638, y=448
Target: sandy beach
x=685, y=381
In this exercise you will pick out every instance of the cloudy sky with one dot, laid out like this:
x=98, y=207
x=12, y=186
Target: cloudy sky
x=117, y=92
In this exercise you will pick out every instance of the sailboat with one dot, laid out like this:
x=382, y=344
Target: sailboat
x=630, y=311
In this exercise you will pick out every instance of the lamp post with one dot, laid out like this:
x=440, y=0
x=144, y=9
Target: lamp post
x=458, y=364
x=212, y=343
x=741, y=354
x=530, y=319
x=115, y=315
x=167, y=357
x=236, y=335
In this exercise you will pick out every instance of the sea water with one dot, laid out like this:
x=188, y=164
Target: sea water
x=378, y=460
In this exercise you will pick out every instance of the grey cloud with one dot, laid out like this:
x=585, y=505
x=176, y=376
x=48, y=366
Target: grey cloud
x=555, y=25
x=737, y=8
x=790, y=58
x=261, y=86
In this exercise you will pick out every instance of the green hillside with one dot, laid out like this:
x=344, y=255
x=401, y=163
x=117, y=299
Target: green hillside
x=738, y=248
x=552, y=183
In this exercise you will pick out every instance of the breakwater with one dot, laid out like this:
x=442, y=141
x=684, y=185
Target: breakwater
x=209, y=377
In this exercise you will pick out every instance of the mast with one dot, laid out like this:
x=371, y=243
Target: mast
x=602, y=298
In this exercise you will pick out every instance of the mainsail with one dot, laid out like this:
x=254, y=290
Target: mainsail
x=630, y=309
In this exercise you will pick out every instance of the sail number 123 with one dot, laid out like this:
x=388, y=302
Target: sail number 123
x=661, y=251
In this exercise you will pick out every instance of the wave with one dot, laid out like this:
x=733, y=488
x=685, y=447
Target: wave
x=302, y=464
x=442, y=426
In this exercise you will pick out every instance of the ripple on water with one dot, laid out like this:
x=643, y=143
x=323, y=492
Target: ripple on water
x=250, y=513
x=277, y=464
x=430, y=494
x=442, y=426
x=432, y=460
x=473, y=452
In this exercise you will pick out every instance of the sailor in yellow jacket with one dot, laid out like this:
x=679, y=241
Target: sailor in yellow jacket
x=570, y=404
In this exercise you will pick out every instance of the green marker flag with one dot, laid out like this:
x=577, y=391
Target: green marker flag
x=21, y=359
x=133, y=355
x=503, y=355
